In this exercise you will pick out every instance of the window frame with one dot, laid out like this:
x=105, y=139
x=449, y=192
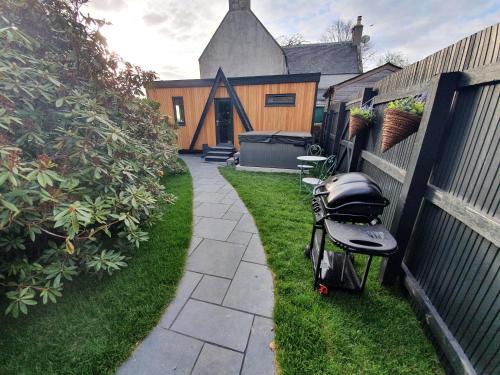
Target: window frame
x=269, y=103
x=180, y=101
x=316, y=108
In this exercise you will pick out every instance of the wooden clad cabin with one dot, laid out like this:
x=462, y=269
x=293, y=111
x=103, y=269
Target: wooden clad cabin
x=215, y=111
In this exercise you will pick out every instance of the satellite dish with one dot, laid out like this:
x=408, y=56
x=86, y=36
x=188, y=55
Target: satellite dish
x=365, y=39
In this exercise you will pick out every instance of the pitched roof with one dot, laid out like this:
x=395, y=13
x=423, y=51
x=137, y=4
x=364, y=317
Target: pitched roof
x=326, y=58
x=386, y=66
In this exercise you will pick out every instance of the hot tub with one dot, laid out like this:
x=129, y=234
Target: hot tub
x=272, y=149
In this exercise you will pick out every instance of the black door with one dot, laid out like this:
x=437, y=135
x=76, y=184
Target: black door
x=224, y=120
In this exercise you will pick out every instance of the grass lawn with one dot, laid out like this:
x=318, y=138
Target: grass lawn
x=343, y=334
x=97, y=324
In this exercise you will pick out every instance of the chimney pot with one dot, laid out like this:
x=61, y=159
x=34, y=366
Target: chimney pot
x=357, y=32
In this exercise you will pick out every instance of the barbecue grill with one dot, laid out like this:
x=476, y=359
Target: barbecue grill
x=346, y=209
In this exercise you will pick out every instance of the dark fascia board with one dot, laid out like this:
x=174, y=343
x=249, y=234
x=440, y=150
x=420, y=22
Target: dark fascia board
x=388, y=66
x=240, y=81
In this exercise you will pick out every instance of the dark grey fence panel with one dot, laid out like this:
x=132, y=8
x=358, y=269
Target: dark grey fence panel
x=459, y=272
x=391, y=187
x=452, y=263
x=469, y=164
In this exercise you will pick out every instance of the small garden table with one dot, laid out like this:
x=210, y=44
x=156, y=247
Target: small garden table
x=311, y=158
x=308, y=159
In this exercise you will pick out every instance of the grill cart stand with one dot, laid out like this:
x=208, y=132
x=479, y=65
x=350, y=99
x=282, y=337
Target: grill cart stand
x=346, y=208
x=336, y=270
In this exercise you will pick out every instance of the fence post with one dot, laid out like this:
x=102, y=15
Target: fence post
x=359, y=142
x=431, y=130
x=336, y=128
x=324, y=129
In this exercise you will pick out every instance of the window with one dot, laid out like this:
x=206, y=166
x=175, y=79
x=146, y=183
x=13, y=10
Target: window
x=179, y=110
x=319, y=112
x=280, y=100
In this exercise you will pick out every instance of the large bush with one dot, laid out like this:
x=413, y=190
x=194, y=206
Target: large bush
x=80, y=152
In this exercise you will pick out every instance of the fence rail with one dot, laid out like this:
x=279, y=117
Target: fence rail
x=443, y=183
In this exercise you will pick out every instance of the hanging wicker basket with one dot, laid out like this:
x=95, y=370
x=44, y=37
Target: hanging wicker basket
x=356, y=125
x=398, y=125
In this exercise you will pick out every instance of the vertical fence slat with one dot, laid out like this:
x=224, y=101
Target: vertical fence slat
x=431, y=129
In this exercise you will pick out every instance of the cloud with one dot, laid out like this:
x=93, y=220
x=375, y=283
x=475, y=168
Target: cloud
x=151, y=32
x=171, y=72
x=108, y=4
x=154, y=18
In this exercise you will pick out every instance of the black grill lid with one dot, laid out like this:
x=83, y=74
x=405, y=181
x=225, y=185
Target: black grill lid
x=353, y=187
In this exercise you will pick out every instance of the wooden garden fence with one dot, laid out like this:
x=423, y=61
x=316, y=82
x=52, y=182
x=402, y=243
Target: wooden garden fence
x=443, y=183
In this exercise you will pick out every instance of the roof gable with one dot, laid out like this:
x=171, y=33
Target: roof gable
x=387, y=66
x=326, y=58
x=238, y=13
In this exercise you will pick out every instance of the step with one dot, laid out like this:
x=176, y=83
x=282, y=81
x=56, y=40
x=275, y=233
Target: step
x=221, y=159
x=220, y=153
x=222, y=148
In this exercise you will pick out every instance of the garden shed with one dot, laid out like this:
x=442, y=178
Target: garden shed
x=215, y=111
x=344, y=91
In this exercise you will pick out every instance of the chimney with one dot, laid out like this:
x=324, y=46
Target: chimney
x=357, y=32
x=239, y=5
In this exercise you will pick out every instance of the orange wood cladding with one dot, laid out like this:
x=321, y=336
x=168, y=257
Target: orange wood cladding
x=252, y=97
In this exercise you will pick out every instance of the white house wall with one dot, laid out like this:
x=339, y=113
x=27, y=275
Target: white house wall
x=242, y=47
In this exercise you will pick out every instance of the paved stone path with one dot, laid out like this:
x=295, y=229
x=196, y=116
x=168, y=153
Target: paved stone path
x=220, y=321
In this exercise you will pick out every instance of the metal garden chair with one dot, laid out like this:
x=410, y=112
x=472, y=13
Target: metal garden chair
x=327, y=169
x=311, y=150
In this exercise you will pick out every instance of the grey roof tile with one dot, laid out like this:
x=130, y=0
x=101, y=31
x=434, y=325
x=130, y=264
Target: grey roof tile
x=326, y=58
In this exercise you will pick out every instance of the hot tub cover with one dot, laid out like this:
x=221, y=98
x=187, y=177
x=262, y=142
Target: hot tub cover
x=278, y=136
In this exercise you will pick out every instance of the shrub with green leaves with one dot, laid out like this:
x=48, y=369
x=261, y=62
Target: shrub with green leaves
x=81, y=152
x=364, y=112
x=410, y=104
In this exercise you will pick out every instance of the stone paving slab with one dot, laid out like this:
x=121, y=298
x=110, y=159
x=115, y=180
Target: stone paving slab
x=246, y=224
x=213, y=210
x=214, y=324
x=243, y=238
x=211, y=289
x=195, y=241
x=215, y=360
x=219, y=322
x=255, y=251
x=163, y=352
x=238, y=206
x=231, y=215
x=259, y=358
x=215, y=229
x=208, y=197
x=228, y=200
x=208, y=188
x=251, y=290
x=188, y=283
x=216, y=258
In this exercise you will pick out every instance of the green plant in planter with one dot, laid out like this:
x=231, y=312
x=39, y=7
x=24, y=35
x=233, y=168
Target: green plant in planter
x=364, y=112
x=410, y=104
x=361, y=118
x=401, y=119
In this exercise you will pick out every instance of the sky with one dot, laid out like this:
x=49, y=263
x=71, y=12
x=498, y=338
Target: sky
x=168, y=36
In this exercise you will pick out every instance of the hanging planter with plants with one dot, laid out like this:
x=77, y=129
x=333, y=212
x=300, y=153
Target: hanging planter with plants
x=360, y=119
x=401, y=119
